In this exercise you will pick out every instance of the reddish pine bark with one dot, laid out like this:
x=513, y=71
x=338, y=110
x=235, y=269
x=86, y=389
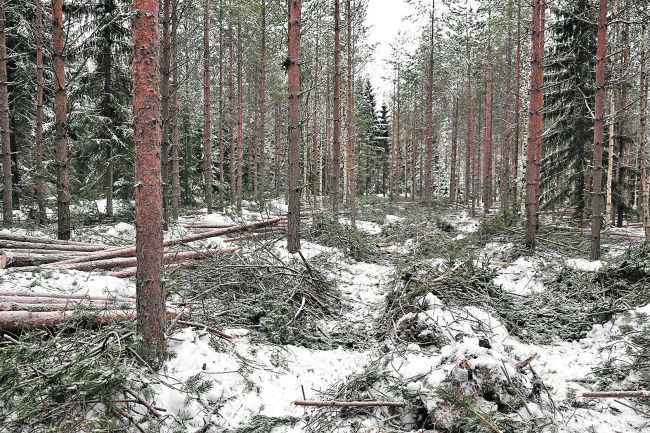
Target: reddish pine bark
x=148, y=195
x=165, y=101
x=207, y=145
x=597, y=204
x=175, y=133
x=38, y=146
x=534, y=129
x=61, y=119
x=315, y=150
x=336, y=148
x=277, y=152
x=428, y=162
x=469, y=148
x=487, y=149
x=293, y=223
x=222, y=174
x=240, y=117
x=261, y=183
x=7, y=204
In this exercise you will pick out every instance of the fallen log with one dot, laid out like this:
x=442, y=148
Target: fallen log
x=18, y=245
x=129, y=262
x=131, y=251
x=131, y=272
x=24, y=238
x=51, y=252
x=13, y=259
x=206, y=225
x=73, y=306
x=617, y=394
x=67, y=296
x=25, y=320
x=348, y=403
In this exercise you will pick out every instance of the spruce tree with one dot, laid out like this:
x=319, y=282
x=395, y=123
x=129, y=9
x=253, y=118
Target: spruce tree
x=569, y=94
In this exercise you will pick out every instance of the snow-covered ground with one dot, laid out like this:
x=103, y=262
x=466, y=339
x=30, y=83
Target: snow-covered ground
x=250, y=379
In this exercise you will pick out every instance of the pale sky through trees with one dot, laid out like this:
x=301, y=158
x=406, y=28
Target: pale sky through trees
x=386, y=20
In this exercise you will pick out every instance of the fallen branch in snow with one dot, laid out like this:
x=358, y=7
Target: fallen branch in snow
x=128, y=262
x=131, y=271
x=207, y=328
x=617, y=394
x=348, y=403
x=24, y=320
x=525, y=362
x=19, y=259
x=67, y=296
x=130, y=251
x=19, y=245
x=40, y=240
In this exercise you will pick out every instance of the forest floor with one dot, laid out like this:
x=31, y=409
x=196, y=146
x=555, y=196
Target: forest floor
x=428, y=307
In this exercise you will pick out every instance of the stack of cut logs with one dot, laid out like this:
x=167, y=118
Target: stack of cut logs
x=21, y=311
x=20, y=253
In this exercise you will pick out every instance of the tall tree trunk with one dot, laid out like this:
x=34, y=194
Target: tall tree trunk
x=534, y=127
x=277, y=152
x=643, y=141
x=597, y=204
x=622, y=154
x=7, y=203
x=325, y=178
x=240, y=116
x=38, y=149
x=487, y=149
x=428, y=162
x=517, y=110
x=165, y=102
x=175, y=133
x=293, y=223
x=315, y=151
x=350, y=116
x=207, y=145
x=414, y=148
x=232, y=155
x=261, y=183
x=150, y=294
x=222, y=156
x=108, y=110
x=61, y=119
x=453, y=176
x=469, y=148
x=336, y=151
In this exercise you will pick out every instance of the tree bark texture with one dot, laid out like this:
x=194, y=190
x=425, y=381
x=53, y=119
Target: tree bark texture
x=293, y=227
x=148, y=195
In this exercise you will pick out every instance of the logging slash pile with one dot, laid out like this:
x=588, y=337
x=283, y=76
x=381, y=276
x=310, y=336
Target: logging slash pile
x=437, y=324
x=22, y=253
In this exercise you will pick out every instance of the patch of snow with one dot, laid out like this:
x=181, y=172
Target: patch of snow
x=520, y=277
x=365, y=226
x=72, y=282
x=394, y=219
x=278, y=377
x=584, y=265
